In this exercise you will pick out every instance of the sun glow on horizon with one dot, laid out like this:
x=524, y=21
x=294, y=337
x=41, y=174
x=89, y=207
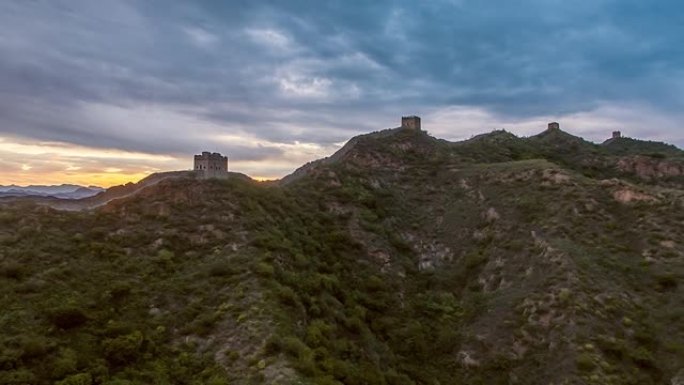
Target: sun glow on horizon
x=53, y=163
x=103, y=179
x=264, y=178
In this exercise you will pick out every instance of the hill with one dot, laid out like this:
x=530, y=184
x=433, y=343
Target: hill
x=402, y=259
x=80, y=200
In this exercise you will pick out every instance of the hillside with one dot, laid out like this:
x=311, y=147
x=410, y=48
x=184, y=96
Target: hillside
x=102, y=197
x=402, y=259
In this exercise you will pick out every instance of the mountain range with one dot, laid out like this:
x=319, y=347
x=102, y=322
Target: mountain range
x=401, y=259
x=64, y=191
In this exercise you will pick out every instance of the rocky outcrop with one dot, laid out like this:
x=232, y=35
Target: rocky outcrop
x=649, y=168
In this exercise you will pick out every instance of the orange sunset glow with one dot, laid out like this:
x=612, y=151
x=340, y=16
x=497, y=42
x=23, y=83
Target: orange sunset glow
x=45, y=163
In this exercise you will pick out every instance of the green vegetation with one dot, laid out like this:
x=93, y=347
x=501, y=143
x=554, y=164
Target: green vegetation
x=405, y=260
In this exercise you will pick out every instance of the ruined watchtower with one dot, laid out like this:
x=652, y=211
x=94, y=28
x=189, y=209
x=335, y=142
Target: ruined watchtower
x=210, y=165
x=412, y=122
x=617, y=134
x=554, y=126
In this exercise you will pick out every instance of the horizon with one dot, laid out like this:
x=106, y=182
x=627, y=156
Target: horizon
x=106, y=94
x=263, y=179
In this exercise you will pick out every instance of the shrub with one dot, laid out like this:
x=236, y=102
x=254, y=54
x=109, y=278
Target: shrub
x=272, y=345
x=317, y=332
x=12, y=270
x=585, y=362
x=64, y=364
x=203, y=324
x=123, y=349
x=564, y=296
x=221, y=269
x=34, y=347
x=77, y=379
x=67, y=317
x=643, y=358
x=216, y=380
x=474, y=260
x=264, y=269
x=9, y=358
x=286, y=295
x=116, y=328
x=612, y=347
x=18, y=377
x=120, y=291
x=666, y=282
x=118, y=381
x=232, y=355
x=164, y=259
x=293, y=346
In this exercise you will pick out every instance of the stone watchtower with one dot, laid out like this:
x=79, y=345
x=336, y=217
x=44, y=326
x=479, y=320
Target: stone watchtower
x=210, y=165
x=412, y=122
x=554, y=126
x=617, y=134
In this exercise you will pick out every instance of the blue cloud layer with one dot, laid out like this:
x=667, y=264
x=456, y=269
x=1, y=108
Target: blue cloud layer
x=320, y=71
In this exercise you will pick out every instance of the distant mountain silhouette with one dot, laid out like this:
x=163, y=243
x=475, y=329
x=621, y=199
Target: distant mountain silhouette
x=64, y=191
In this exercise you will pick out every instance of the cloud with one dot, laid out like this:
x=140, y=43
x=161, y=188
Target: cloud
x=259, y=80
x=298, y=86
x=270, y=38
x=201, y=37
x=644, y=122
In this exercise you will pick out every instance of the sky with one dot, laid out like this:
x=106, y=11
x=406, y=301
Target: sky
x=107, y=92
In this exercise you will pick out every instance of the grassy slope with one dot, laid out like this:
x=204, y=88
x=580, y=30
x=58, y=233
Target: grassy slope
x=407, y=260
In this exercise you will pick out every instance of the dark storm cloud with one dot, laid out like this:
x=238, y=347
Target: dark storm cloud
x=124, y=74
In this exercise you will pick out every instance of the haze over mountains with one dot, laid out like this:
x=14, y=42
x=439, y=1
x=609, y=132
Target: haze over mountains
x=64, y=191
